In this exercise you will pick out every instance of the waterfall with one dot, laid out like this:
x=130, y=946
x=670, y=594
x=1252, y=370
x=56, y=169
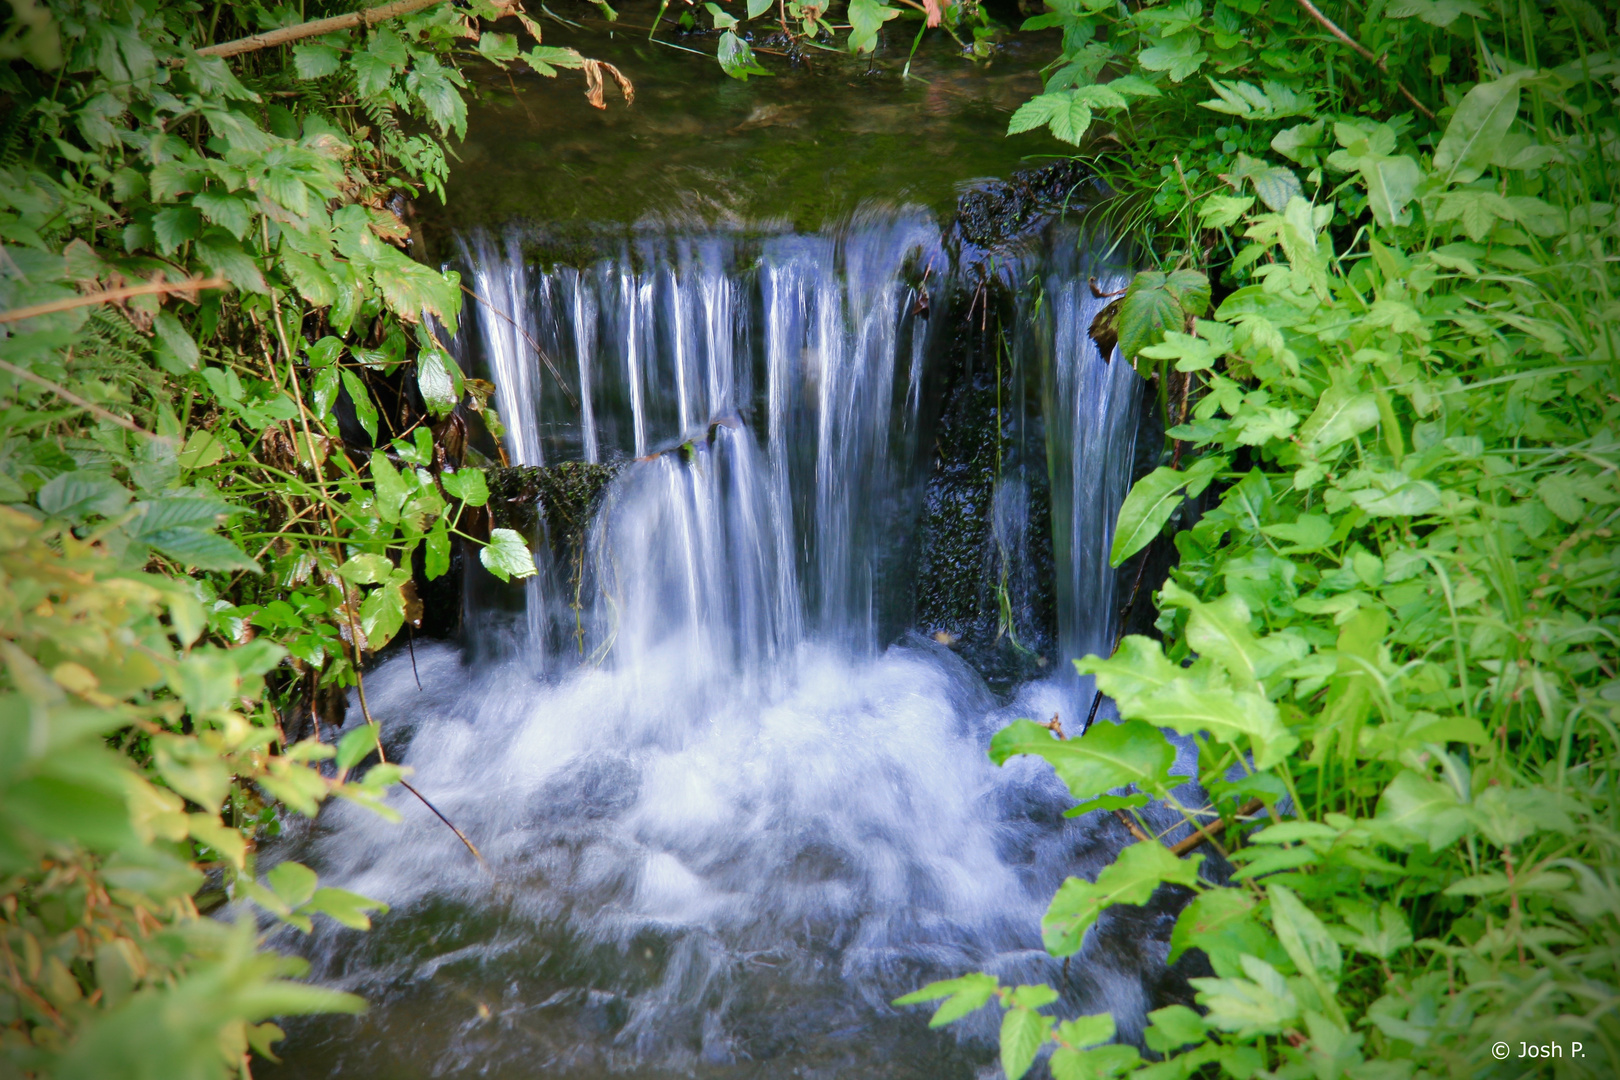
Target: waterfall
x=754, y=809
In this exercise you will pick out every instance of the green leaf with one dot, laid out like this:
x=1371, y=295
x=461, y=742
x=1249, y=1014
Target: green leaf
x=963, y=995
x=1174, y=1027
x=200, y=550
x=1262, y=1004
x=1303, y=935
x=722, y=20
x=1096, y=1064
x=498, y=48
x=175, y=226
x=866, y=18
x=203, y=448
x=737, y=59
x=224, y=255
x=389, y=487
x=1023, y=1031
x=325, y=392
x=1340, y=415
x=1424, y=809
x=293, y=883
x=1151, y=502
x=1130, y=879
x=316, y=61
x=439, y=380
x=350, y=909
x=1477, y=128
x=1107, y=756
x=177, y=343
x=1156, y=303
x=176, y=511
x=364, y=410
x=507, y=555
x=1084, y=1031
x=437, y=555
x=355, y=745
x=366, y=569
x=75, y=496
x=467, y=485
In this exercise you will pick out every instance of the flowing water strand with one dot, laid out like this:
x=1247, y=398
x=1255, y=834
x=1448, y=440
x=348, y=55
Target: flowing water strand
x=723, y=842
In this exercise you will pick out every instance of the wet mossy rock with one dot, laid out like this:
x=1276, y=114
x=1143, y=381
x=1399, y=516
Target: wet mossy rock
x=560, y=498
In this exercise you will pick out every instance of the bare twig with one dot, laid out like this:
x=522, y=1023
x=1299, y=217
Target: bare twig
x=270, y=38
x=1382, y=65
x=1181, y=847
x=533, y=344
x=106, y=295
x=1135, y=829
x=74, y=399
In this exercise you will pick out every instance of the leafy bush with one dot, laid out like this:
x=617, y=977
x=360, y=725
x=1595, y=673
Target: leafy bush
x=199, y=270
x=1393, y=638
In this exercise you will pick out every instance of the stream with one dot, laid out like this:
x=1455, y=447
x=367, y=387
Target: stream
x=727, y=763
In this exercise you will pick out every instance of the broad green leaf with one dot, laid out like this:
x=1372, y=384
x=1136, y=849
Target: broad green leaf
x=439, y=380
x=316, y=61
x=1261, y=1004
x=293, y=882
x=467, y=485
x=963, y=995
x=1156, y=303
x=437, y=555
x=1303, y=935
x=75, y=496
x=1107, y=756
x=364, y=410
x=1173, y=1027
x=866, y=18
x=507, y=555
x=1391, y=184
x=498, y=48
x=366, y=569
x=200, y=550
x=176, y=511
x=756, y=8
x=1340, y=415
x=389, y=487
x=1151, y=502
x=1220, y=630
x=1424, y=809
x=350, y=909
x=1084, y=1031
x=1131, y=878
x=1095, y=1064
x=355, y=745
x=1477, y=128
x=1023, y=1031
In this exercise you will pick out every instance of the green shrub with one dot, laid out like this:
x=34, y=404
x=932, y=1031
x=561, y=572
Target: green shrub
x=1397, y=628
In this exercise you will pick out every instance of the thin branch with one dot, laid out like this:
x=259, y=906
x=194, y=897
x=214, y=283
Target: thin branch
x=191, y=285
x=270, y=38
x=69, y=396
x=1382, y=65
x=533, y=344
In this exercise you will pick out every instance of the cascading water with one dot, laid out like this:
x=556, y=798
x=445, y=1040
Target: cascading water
x=744, y=809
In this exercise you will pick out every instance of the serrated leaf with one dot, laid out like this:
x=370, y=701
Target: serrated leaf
x=316, y=61
x=75, y=496
x=1131, y=878
x=1023, y=1031
x=467, y=485
x=1152, y=500
x=507, y=555
x=1107, y=756
x=963, y=995
x=200, y=550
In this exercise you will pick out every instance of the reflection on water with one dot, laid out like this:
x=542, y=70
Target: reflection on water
x=805, y=146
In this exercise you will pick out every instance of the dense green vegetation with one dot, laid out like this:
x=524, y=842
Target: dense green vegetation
x=199, y=269
x=1383, y=327
x=1393, y=636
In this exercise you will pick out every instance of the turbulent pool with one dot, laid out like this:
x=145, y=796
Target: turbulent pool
x=731, y=799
